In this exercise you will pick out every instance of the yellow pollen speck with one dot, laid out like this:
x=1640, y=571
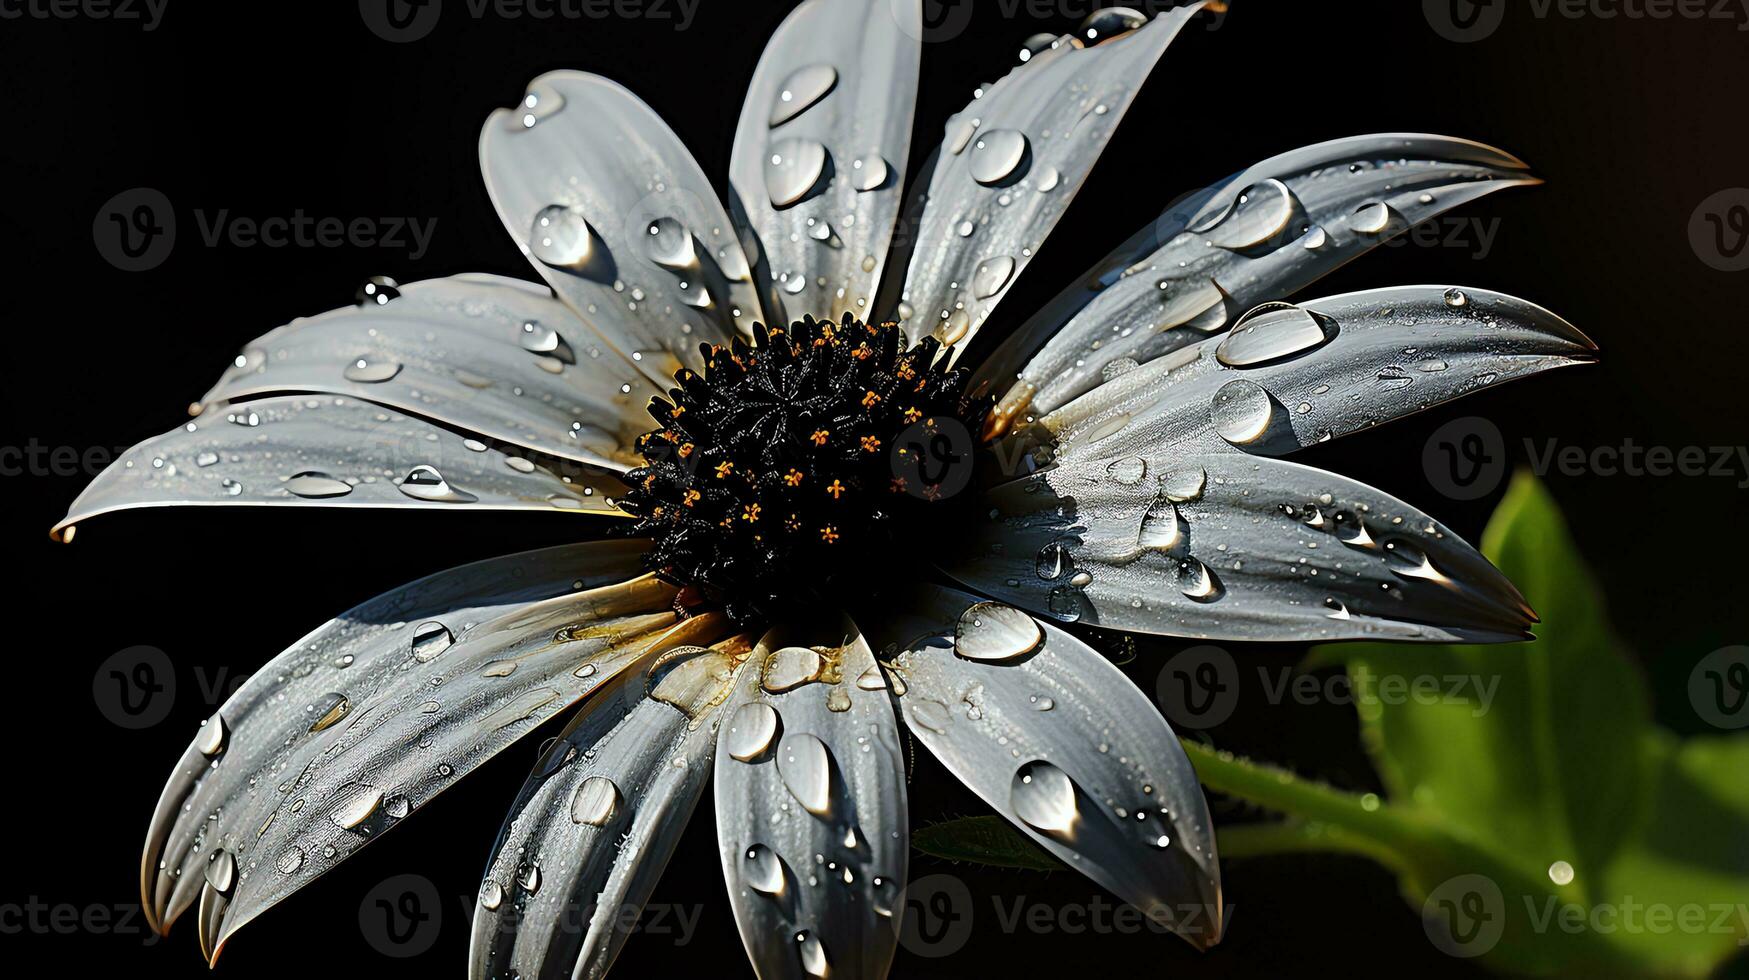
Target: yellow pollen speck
x=793, y=478
x=690, y=498
x=820, y=437
x=829, y=534
x=912, y=415
x=724, y=469
x=750, y=512
x=836, y=489
x=870, y=400
x=871, y=444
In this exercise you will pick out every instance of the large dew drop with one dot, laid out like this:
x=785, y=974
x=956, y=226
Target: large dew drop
x=997, y=155
x=425, y=483
x=561, y=237
x=762, y=869
x=596, y=802
x=1044, y=797
x=1242, y=411
x=751, y=731
x=1260, y=213
x=1270, y=334
x=801, y=90
x=806, y=767
x=792, y=168
x=991, y=631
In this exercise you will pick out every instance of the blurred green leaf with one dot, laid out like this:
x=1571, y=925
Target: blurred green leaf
x=982, y=840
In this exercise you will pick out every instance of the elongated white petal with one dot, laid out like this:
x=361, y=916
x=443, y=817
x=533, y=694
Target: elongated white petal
x=351, y=729
x=1008, y=168
x=496, y=357
x=1258, y=236
x=822, y=148
x=597, y=821
x=617, y=217
x=1235, y=547
x=329, y=451
x=1059, y=741
x=1291, y=376
x=810, y=797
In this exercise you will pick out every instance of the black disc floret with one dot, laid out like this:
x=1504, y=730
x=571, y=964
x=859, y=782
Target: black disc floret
x=813, y=460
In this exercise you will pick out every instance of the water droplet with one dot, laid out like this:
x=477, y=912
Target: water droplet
x=791, y=667
x=1043, y=797
x=1048, y=179
x=1128, y=471
x=528, y=877
x=1270, y=333
x=357, y=809
x=317, y=486
x=596, y=802
x=329, y=710
x=1196, y=581
x=751, y=731
x=369, y=372
x=376, y=291
x=491, y=895
x=993, y=632
x=1456, y=298
x=801, y=90
x=1372, y=219
x=1107, y=428
x=1163, y=528
x=397, y=806
x=1110, y=22
x=425, y=483
x=931, y=715
x=1064, y=603
x=997, y=155
x=1182, y=486
x=1052, y=559
x=872, y=679
x=221, y=871
x=762, y=869
x=991, y=275
x=1242, y=411
x=869, y=173
x=806, y=767
x=1259, y=214
x=813, y=956
x=212, y=737
x=670, y=245
x=430, y=639
x=960, y=130
x=290, y=861
x=561, y=237
x=792, y=169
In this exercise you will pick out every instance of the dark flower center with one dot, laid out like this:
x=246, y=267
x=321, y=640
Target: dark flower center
x=805, y=464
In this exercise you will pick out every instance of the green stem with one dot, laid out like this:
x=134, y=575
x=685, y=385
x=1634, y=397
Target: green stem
x=1390, y=830
x=1294, y=837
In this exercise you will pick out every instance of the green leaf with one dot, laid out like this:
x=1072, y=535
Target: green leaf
x=982, y=840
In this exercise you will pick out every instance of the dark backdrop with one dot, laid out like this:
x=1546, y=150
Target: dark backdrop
x=265, y=109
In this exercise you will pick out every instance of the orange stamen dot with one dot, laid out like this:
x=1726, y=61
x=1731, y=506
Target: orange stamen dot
x=829, y=534
x=724, y=469
x=870, y=444
x=836, y=489
x=820, y=437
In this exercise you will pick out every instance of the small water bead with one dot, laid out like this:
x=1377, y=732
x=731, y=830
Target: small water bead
x=491, y=895
x=1065, y=603
x=763, y=871
x=1372, y=219
x=792, y=169
x=366, y=371
x=813, y=956
x=994, y=632
x=329, y=710
x=751, y=731
x=1043, y=796
x=290, y=860
x=1128, y=471
x=425, y=483
x=1456, y=298
x=221, y=871
x=872, y=679
x=868, y=173
x=1185, y=485
x=317, y=486
x=376, y=291
x=1163, y=528
x=930, y=715
x=356, y=810
x=997, y=155
x=1110, y=22
x=397, y=806
x=1197, y=582
x=991, y=275
x=960, y=130
x=804, y=87
x=596, y=802
x=213, y=737
x=561, y=237
x=1052, y=559
x=231, y=488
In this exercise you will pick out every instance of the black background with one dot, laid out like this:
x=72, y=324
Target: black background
x=268, y=108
